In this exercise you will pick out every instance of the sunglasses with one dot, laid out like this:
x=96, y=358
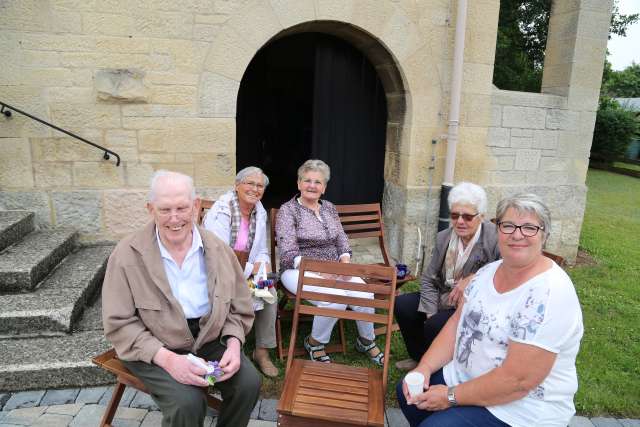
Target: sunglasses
x=467, y=217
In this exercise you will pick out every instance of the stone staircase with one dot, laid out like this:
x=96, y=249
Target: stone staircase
x=50, y=323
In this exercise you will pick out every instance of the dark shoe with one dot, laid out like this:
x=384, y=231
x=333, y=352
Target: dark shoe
x=313, y=349
x=378, y=359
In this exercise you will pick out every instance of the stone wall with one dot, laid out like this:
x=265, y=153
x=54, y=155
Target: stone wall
x=531, y=153
x=157, y=82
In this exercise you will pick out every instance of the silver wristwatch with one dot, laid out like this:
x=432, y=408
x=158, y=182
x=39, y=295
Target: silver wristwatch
x=451, y=396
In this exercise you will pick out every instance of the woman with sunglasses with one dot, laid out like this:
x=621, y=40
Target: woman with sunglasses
x=239, y=219
x=459, y=252
x=507, y=357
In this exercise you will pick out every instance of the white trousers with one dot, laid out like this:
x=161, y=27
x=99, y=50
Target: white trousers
x=322, y=326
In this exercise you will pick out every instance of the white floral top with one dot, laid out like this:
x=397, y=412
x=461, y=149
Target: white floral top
x=543, y=312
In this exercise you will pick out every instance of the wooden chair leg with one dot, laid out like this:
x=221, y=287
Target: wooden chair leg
x=279, y=338
x=112, y=407
x=343, y=341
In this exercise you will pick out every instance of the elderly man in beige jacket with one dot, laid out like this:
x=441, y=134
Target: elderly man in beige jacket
x=173, y=288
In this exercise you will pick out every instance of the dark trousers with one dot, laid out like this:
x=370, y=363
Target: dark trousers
x=417, y=331
x=467, y=416
x=186, y=406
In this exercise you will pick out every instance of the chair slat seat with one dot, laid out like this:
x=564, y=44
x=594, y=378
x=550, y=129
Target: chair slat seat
x=352, y=400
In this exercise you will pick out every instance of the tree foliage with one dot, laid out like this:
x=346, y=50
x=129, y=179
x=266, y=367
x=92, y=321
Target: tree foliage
x=615, y=128
x=621, y=84
x=522, y=39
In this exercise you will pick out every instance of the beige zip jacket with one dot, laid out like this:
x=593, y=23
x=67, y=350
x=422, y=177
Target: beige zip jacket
x=140, y=314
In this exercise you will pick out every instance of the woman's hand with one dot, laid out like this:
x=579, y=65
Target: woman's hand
x=434, y=399
x=405, y=389
x=456, y=294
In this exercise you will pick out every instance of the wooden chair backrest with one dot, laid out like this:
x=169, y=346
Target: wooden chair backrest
x=358, y=222
x=381, y=282
x=205, y=205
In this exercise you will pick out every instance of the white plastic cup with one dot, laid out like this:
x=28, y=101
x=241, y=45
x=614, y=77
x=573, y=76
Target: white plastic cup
x=415, y=383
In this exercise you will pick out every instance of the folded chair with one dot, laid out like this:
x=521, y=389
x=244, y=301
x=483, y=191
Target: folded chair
x=331, y=394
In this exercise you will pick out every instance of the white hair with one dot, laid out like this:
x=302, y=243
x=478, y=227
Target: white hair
x=467, y=193
x=174, y=176
x=315, y=165
x=251, y=170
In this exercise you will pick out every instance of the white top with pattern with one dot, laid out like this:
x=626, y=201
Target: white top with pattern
x=543, y=312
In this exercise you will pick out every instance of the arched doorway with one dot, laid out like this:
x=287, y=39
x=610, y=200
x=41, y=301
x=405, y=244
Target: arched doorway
x=313, y=95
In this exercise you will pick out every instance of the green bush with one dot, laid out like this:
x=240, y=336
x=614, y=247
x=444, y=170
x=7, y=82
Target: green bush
x=615, y=128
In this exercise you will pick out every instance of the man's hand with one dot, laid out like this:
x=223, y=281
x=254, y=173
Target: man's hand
x=230, y=362
x=180, y=368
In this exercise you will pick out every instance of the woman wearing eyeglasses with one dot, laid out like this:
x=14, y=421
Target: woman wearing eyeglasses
x=507, y=356
x=460, y=251
x=308, y=226
x=239, y=219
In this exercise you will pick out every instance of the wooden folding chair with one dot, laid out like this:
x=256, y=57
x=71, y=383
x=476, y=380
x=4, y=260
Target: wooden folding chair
x=330, y=394
x=205, y=205
x=109, y=361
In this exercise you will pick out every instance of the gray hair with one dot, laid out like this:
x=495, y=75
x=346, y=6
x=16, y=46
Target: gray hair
x=174, y=176
x=467, y=193
x=526, y=203
x=251, y=170
x=315, y=165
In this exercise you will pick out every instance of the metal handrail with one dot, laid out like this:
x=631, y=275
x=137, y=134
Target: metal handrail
x=6, y=110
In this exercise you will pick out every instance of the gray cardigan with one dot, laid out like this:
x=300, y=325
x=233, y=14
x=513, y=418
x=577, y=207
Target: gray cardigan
x=434, y=292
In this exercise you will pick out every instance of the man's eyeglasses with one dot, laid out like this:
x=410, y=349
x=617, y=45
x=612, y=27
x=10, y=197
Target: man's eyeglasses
x=180, y=211
x=255, y=185
x=467, y=217
x=527, y=230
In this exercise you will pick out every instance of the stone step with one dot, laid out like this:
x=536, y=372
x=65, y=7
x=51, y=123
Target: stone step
x=54, y=307
x=27, y=262
x=52, y=362
x=14, y=225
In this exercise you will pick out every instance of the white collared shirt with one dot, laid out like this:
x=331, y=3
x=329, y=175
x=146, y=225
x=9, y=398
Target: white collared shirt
x=189, y=283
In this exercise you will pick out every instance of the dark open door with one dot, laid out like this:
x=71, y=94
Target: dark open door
x=307, y=96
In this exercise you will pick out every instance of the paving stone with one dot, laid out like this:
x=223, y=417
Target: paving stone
x=122, y=422
x=580, y=422
x=127, y=397
x=69, y=409
x=395, y=418
x=53, y=420
x=131, y=413
x=210, y=422
x=91, y=394
x=144, y=401
x=152, y=419
x=89, y=415
x=261, y=423
x=24, y=399
x=256, y=410
x=630, y=423
x=268, y=410
x=60, y=397
x=605, y=422
x=24, y=416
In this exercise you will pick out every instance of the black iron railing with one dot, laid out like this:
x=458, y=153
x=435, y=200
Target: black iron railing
x=7, y=109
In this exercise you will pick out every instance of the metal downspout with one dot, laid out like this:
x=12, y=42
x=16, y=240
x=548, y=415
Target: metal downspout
x=454, y=113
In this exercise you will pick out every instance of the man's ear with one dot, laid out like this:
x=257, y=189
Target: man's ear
x=197, y=203
x=150, y=209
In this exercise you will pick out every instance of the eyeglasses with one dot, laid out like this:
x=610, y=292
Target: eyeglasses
x=180, y=211
x=527, y=230
x=255, y=185
x=467, y=217
x=310, y=181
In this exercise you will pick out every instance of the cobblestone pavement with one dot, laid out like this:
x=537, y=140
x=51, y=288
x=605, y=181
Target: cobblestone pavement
x=85, y=406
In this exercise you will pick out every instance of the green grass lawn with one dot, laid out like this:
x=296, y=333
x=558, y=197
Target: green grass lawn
x=624, y=165
x=609, y=359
